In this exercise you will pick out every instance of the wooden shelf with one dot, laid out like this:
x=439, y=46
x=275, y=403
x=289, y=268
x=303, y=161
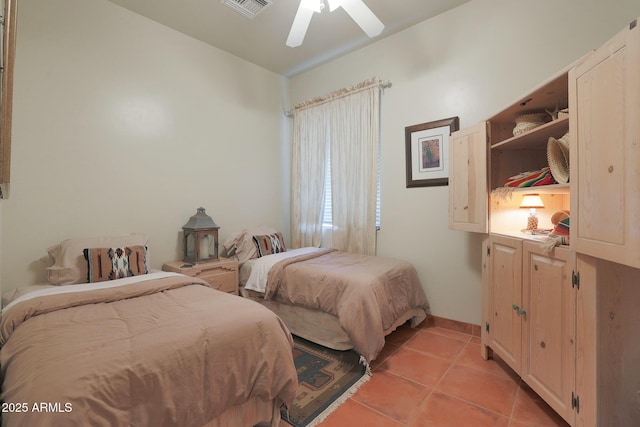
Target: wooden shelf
x=542, y=189
x=536, y=138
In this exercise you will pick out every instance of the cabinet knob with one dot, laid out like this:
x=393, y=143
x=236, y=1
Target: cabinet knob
x=610, y=169
x=522, y=311
x=542, y=344
x=515, y=307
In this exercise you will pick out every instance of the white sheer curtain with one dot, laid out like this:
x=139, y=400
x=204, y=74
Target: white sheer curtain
x=345, y=124
x=308, y=174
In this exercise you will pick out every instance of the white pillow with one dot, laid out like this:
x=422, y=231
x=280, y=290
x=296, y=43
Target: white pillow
x=241, y=244
x=70, y=266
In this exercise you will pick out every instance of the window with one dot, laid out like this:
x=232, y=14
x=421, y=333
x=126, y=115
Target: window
x=326, y=216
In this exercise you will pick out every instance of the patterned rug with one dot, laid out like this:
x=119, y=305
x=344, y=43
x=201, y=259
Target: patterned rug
x=326, y=379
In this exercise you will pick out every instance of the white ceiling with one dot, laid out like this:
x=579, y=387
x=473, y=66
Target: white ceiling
x=261, y=40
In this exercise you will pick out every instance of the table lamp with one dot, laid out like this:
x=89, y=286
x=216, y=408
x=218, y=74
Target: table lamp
x=532, y=201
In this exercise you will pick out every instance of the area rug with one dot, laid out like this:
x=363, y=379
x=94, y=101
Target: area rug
x=326, y=379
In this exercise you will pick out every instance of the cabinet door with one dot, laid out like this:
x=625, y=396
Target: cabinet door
x=605, y=151
x=505, y=296
x=549, y=299
x=608, y=348
x=468, y=189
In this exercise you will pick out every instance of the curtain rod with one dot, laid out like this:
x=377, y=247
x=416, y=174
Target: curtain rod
x=383, y=85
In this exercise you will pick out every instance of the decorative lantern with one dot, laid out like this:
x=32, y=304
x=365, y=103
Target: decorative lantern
x=200, y=232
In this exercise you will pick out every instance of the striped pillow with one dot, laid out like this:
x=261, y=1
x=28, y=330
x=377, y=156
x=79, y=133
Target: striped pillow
x=115, y=263
x=269, y=244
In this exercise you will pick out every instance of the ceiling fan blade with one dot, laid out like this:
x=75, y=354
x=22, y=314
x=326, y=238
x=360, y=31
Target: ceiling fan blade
x=299, y=26
x=363, y=16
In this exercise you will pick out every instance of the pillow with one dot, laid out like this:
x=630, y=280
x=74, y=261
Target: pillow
x=115, y=263
x=69, y=266
x=243, y=245
x=230, y=245
x=268, y=244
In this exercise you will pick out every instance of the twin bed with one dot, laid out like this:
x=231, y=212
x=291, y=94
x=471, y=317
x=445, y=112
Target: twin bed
x=165, y=349
x=337, y=299
x=155, y=349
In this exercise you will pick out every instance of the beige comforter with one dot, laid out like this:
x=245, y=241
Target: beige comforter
x=368, y=294
x=164, y=352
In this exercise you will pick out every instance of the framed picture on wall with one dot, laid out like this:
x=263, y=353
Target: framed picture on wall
x=427, y=152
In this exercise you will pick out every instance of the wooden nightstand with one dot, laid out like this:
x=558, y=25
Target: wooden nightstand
x=221, y=274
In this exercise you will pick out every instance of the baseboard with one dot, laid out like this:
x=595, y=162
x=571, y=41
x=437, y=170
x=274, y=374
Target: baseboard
x=454, y=325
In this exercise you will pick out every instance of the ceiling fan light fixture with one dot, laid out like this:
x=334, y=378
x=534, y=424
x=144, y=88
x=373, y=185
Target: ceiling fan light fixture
x=334, y=4
x=356, y=9
x=315, y=5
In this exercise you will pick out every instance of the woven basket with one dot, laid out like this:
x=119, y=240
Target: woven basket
x=527, y=122
x=558, y=158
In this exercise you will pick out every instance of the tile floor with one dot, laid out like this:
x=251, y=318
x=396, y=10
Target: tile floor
x=435, y=377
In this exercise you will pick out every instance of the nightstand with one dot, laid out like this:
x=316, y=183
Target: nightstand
x=221, y=274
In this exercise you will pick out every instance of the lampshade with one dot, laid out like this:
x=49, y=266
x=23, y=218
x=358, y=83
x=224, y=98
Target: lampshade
x=531, y=201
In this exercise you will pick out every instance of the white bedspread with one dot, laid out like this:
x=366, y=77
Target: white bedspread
x=260, y=270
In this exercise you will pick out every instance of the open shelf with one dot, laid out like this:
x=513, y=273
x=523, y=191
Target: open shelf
x=536, y=138
x=541, y=189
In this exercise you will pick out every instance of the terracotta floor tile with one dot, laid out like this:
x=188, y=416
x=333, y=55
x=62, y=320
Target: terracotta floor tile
x=430, y=376
x=416, y=366
x=530, y=409
x=435, y=345
x=394, y=396
x=440, y=410
x=470, y=357
x=352, y=413
x=387, y=351
x=487, y=390
x=449, y=333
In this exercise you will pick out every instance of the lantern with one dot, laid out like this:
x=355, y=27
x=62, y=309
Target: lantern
x=200, y=232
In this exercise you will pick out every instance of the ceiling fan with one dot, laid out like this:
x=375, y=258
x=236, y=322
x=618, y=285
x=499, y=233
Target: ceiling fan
x=358, y=11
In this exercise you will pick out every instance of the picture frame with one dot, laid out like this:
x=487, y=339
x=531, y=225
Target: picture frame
x=427, y=152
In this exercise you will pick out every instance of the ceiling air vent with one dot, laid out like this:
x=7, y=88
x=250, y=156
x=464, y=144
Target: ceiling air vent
x=249, y=8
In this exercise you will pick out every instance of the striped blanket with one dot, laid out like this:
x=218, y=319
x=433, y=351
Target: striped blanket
x=531, y=179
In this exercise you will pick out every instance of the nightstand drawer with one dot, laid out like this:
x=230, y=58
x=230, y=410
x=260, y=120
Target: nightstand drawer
x=221, y=274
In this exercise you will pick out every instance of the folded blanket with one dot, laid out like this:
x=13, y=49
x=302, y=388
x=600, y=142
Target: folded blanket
x=531, y=179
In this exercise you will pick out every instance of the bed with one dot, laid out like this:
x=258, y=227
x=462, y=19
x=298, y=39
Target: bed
x=157, y=349
x=336, y=299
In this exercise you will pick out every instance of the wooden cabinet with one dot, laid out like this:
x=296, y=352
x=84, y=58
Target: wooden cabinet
x=485, y=156
x=605, y=153
x=608, y=344
x=548, y=326
x=505, y=299
x=221, y=274
x=531, y=319
x=565, y=321
x=468, y=179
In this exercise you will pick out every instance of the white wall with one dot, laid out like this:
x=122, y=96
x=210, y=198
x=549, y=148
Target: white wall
x=470, y=63
x=123, y=125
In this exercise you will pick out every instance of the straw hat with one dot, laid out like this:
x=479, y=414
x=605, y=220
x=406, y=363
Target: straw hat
x=558, y=158
x=527, y=122
x=559, y=216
